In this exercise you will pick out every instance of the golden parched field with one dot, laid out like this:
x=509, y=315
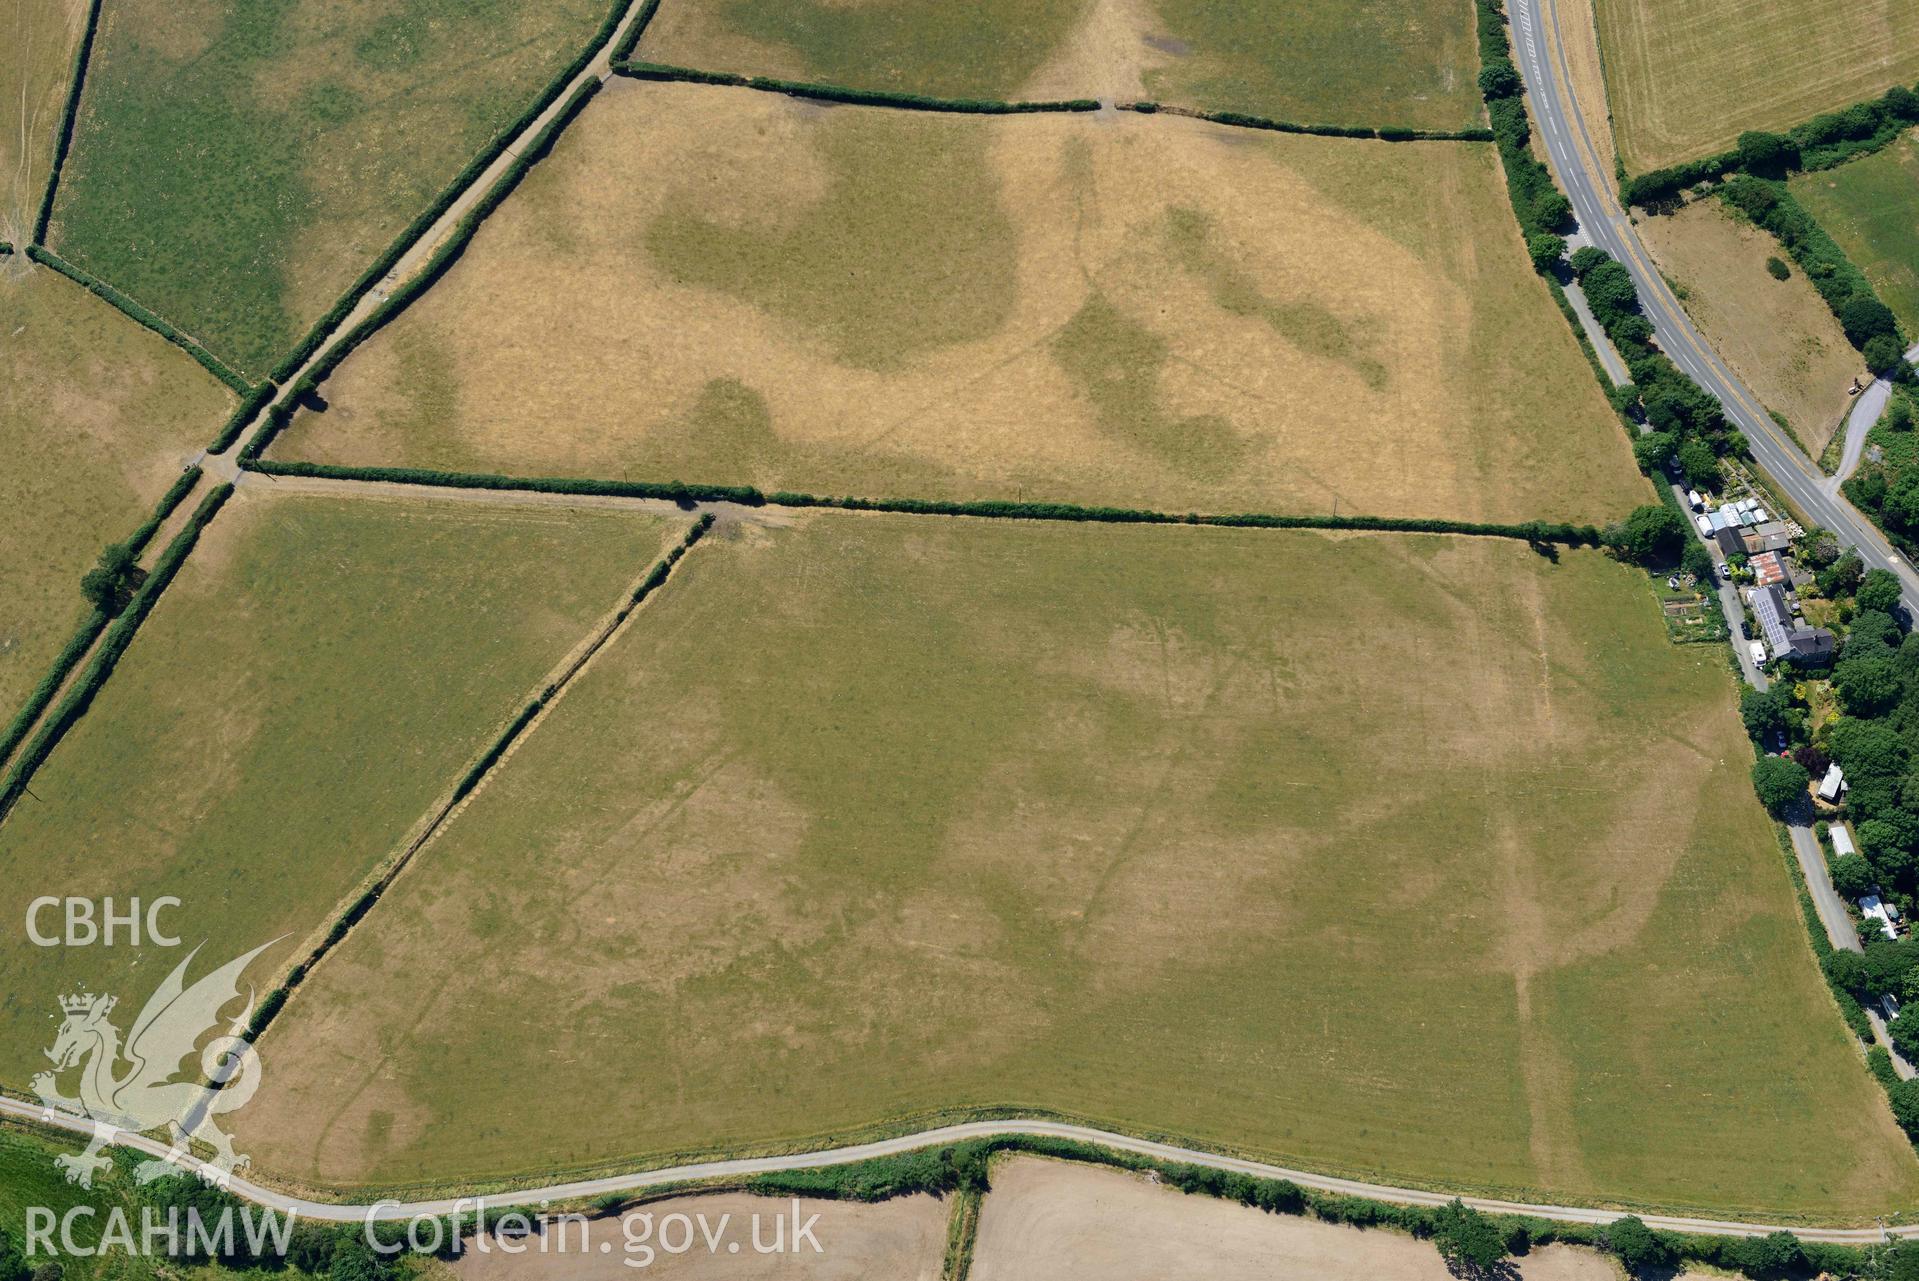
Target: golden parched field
x=1777, y=335
x=1686, y=77
x=97, y=417
x=36, y=65
x=1418, y=857
x=723, y=286
x=318, y=675
x=1412, y=63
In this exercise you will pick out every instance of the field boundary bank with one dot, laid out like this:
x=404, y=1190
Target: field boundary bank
x=668, y=73
x=81, y=642
x=1005, y=1127
x=119, y=635
x=422, y=222
x=553, y=688
x=687, y=495
x=141, y=314
x=445, y=255
x=69, y=116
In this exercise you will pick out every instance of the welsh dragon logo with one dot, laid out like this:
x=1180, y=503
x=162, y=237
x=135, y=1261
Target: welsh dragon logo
x=139, y=1086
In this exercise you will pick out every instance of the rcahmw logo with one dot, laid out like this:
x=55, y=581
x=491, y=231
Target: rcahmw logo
x=130, y=1085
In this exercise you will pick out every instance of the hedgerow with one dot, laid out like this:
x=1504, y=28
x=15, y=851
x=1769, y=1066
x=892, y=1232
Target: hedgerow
x=1542, y=532
x=840, y=93
x=631, y=41
x=118, y=636
x=443, y=258
x=68, y=115
x=1770, y=205
x=101, y=289
x=1384, y=133
x=243, y=413
x=1820, y=143
x=385, y=263
x=277, y=998
x=967, y=1165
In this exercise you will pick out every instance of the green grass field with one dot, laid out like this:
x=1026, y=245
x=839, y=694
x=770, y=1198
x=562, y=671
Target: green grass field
x=1871, y=207
x=1416, y=857
x=236, y=166
x=1686, y=77
x=97, y=415
x=1409, y=64
x=321, y=671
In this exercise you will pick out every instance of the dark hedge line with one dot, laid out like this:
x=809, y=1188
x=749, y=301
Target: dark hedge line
x=966, y=1166
x=89, y=631
x=841, y=93
x=1820, y=143
x=175, y=495
x=686, y=495
x=631, y=41
x=101, y=289
x=277, y=998
x=443, y=258
x=1542, y=209
x=69, y=115
x=1770, y=205
x=243, y=413
x=444, y=201
x=1383, y=133
x=118, y=636
x=76, y=649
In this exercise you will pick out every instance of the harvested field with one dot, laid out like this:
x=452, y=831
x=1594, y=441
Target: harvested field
x=1686, y=77
x=722, y=286
x=97, y=416
x=1430, y=858
x=1777, y=335
x=1058, y=1221
x=1410, y=64
x=898, y=1240
x=320, y=673
x=236, y=166
x=1871, y=207
x=35, y=67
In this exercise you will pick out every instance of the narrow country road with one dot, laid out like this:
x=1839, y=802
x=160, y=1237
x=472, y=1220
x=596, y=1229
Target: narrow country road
x=1587, y=181
x=588, y=1189
x=1866, y=409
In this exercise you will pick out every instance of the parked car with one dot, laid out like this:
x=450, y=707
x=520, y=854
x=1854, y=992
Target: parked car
x=1758, y=651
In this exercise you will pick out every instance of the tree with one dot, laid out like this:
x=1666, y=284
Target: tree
x=1637, y=1247
x=1899, y=416
x=1653, y=450
x=110, y=584
x=1468, y=1240
x=1864, y=318
x=1700, y=465
x=1777, y=1255
x=13, y=1266
x=1766, y=153
x=1902, y=503
x=1881, y=352
x=1586, y=257
x=1867, y=686
x=1843, y=576
x=1764, y=711
x=1879, y=590
x=1874, y=634
x=1852, y=876
x=1902, y=1261
x=1776, y=267
x=1545, y=249
x=1500, y=79
x=1780, y=783
x=1696, y=560
x=1905, y=1036
x=1650, y=535
x=1609, y=288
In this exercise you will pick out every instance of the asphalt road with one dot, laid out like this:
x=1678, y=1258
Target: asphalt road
x=1588, y=183
x=586, y=1189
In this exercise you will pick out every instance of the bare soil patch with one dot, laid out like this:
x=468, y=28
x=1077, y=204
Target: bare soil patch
x=1060, y=1221
x=721, y=286
x=899, y=1240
